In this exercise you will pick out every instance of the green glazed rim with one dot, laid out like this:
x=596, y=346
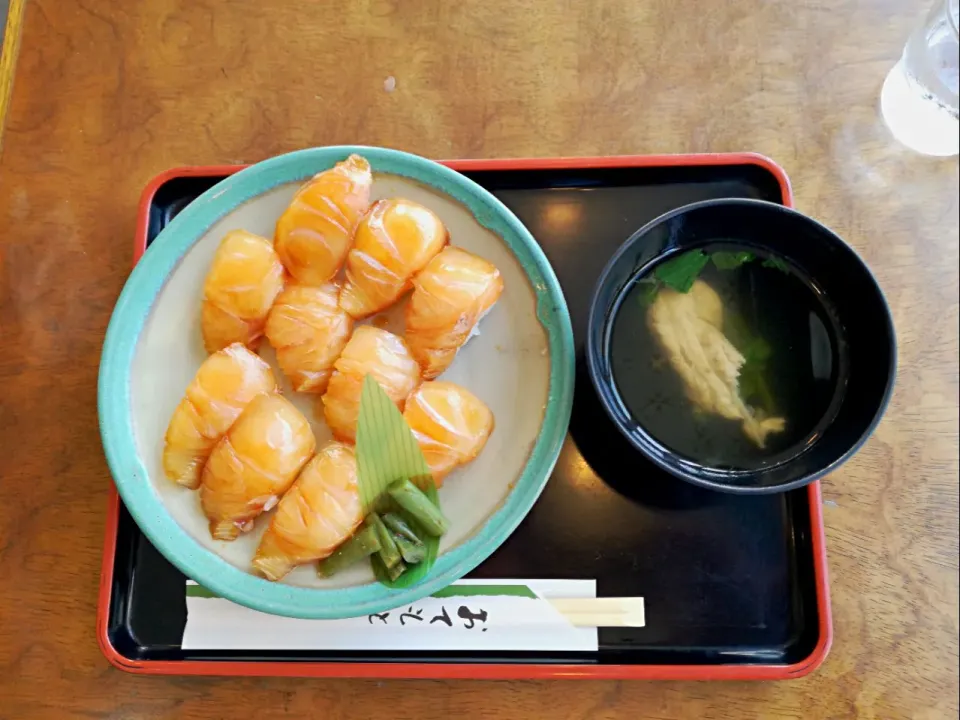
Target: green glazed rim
x=135, y=304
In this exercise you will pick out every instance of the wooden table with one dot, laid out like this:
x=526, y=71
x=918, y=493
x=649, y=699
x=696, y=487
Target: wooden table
x=109, y=93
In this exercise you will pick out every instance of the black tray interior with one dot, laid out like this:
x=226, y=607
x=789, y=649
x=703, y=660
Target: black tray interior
x=727, y=579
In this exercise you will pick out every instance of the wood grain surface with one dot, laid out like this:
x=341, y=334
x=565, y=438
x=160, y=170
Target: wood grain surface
x=109, y=93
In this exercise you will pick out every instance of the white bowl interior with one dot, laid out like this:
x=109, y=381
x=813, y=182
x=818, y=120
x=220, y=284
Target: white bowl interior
x=507, y=366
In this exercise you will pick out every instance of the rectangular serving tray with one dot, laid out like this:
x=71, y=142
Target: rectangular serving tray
x=735, y=587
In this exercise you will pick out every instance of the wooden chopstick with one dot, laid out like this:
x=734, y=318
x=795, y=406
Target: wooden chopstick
x=601, y=612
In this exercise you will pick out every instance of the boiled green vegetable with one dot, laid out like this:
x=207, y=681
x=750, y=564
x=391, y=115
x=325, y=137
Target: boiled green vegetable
x=389, y=553
x=421, y=508
x=412, y=552
x=680, y=272
x=364, y=543
x=777, y=264
x=399, y=526
x=730, y=260
x=387, y=573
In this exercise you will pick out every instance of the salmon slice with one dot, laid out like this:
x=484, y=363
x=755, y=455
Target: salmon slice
x=450, y=423
x=318, y=513
x=394, y=241
x=224, y=385
x=254, y=464
x=241, y=285
x=309, y=330
x=314, y=233
x=371, y=351
x=450, y=296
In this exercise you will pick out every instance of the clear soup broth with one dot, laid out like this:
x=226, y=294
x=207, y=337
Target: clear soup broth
x=728, y=357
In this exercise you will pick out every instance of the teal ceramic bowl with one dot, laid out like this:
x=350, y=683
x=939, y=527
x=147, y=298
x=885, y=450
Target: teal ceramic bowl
x=521, y=365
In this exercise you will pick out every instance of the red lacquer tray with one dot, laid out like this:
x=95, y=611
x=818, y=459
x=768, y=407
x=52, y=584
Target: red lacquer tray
x=735, y=586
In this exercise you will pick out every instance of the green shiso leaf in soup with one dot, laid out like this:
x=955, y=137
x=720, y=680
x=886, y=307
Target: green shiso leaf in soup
x=679, y=273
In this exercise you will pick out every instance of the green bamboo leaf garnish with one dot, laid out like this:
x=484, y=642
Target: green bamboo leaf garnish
x=387, y=451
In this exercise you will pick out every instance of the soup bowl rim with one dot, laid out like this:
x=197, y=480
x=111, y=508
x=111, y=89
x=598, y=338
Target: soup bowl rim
x=601, y=320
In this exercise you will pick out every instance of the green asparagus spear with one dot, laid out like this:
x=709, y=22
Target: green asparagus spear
x=389, y=552
x=411, y=498
x=399, y=526
x=363, y=543
x=379, y=569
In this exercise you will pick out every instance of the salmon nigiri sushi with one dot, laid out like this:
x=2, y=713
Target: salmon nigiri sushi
x=317, y=514
x=315, y=232
x=450, y=423
x=450, y=297
x=254, y=464
x=224, y=385
x=394, y=241
x=309, y=330
x=370, y=351
x=243, y=280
